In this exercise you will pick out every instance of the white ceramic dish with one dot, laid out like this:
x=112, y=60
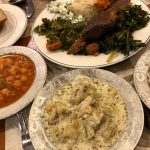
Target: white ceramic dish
x=141, y=78
x=133, y=105
x=39, y=80
x=14, y=26
x=75, y=61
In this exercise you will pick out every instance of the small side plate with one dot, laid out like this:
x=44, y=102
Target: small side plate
x=14, y=26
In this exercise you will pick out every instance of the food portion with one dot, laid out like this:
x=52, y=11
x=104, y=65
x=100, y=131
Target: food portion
x=103, y=22
x=103, y=4
x=84, y=7
x=74, y=8
x=64, y=9
x=60, y=33
x=89, y=8
x=120, y=38
x=85, y=114
x=110, y=32
x=3, y=18
x=17, y=73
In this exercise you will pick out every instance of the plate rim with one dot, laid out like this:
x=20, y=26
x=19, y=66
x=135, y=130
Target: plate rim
x=14, y=107
x=23, y=28
x=37, y=124
x=142, y=68
x=78, y=67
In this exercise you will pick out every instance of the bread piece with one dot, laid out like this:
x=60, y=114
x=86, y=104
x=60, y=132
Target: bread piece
x=3, y=18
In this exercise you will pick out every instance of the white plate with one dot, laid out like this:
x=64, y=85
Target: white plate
x=76, y=61
x=40, y=77
x=14, y=26
x=140, y=78
x=133, y=104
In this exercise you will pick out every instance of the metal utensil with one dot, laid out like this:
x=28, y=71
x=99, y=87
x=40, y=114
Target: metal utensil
x=25, y=4
x=23, y=123
x=15, y=1
x=29, y=8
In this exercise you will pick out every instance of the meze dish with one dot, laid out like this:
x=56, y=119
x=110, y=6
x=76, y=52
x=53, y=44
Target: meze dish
x=86, y=108
x=17, y=73
x=107, y=29
x=85, y=114
x=22, y=75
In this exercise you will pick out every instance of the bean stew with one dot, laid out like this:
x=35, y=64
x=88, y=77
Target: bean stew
x=17, y=73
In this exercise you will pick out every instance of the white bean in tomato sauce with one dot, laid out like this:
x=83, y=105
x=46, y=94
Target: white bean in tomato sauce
x=17, y=73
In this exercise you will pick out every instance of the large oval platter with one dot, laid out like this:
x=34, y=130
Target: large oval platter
x=133, y=104
x=76, y=61
x=38, y=82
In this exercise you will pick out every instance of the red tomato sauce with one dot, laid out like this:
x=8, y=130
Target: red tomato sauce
x=17, y=73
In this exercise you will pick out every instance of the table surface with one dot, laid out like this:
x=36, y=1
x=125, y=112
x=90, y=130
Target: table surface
x=9, y=132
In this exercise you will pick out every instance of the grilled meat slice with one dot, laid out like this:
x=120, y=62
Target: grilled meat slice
x=98, y=26
x=103, y=22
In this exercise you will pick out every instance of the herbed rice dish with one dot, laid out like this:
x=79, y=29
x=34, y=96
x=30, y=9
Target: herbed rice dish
x=85, y=114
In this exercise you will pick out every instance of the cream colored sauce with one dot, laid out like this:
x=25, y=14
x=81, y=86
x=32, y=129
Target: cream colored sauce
x=85, y=114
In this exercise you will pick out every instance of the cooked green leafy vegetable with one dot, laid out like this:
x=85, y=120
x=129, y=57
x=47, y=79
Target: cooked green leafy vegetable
x=131, y=18
x=121, y=39
x=62, y=33
x=60, y=29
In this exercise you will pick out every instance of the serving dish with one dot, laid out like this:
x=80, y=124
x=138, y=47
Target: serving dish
x=77, y=61
x=132, y=101
x=14, y=26
x=38, y=82
x=141, y=76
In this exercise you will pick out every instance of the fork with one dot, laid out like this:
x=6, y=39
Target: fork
x=23, y=123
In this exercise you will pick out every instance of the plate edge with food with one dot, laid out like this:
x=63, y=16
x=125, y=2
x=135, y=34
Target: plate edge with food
x=82, y=66
x=141, y=78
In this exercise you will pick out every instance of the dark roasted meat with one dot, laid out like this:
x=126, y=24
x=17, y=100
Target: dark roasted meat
x=103, y=22
x=98, y=26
